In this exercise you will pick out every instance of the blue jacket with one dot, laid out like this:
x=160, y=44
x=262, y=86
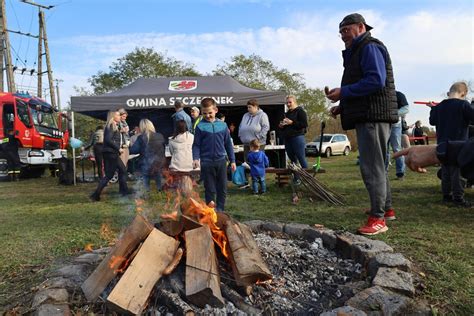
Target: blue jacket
x=451, y=118
x=181, y=115
x=258, y=161
x=373, y=65
x=212, y=142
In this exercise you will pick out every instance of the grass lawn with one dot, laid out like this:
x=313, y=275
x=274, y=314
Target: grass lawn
x=42, y=223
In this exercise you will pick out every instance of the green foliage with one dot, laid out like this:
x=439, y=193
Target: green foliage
x=142, y=62
x=258, y=73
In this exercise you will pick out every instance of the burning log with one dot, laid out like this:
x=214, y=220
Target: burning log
x=133, y=289
x=246, y=261
x=135, y=233
x=189, y=223
x=174, y=263
x=174, y=302
x=202, y=273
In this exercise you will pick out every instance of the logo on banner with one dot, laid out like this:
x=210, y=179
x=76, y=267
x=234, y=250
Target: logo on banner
x=183, y=85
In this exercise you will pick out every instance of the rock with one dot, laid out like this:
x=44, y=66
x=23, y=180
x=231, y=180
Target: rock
x=59, y=282
x=53, y=310
x=376, y=299
x=89, y=258
x=273, y=226
x=295, y=229
x=76, y=272
x=396, y=280
x=389, y=260
x=254, y=225
x=344, y=311
x=312, y=233
x=329, y=238
x=360, y=248
x=50, y=296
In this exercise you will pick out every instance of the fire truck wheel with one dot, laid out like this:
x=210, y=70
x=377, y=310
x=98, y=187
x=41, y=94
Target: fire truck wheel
x=31, y=172
x=3, y=168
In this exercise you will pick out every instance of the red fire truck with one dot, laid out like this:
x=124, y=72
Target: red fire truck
x=41, y=132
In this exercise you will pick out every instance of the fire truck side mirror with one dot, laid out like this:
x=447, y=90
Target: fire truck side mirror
x=17, y=132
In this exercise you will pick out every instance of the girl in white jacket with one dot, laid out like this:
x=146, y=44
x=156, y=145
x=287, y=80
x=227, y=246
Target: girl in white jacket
x=180, y=146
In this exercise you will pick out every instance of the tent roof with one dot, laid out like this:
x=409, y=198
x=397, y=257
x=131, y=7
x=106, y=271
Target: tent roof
x=149, y=93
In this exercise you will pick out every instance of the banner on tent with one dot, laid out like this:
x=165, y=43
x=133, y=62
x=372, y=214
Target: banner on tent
x=196, y=100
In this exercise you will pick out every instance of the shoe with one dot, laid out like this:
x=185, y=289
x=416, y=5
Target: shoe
x=400, y=176
x=390, y=215
x=462, y=203
x=374, y=226
x=297, y=182
x=94, y=197
x=255, y=193
x=245, y=186
x=447, y=198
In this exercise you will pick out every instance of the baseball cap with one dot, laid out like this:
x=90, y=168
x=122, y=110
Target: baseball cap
x=353, y=19
x=195, y=108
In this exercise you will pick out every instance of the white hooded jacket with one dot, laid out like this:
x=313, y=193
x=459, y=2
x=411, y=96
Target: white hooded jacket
x=181, y=152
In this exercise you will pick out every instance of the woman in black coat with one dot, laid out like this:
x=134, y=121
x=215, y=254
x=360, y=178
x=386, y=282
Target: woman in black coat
x=112, y=148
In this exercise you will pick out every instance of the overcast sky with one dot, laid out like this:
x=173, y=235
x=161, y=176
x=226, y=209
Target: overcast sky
x=430, y=42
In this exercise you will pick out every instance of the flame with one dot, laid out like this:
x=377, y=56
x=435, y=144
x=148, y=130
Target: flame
x=172, y=216
x=207, y=215
x=88, y=247
x=118, y=264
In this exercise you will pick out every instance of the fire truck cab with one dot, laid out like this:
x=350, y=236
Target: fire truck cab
x=37, y=128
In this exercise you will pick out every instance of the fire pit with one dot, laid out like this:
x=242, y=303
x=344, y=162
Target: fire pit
x=197, y=261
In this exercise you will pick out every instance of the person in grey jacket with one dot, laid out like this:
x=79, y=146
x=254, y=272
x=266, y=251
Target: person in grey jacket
x=254, y=125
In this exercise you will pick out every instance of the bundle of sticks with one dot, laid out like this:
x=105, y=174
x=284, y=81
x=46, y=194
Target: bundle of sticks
x=315, y=187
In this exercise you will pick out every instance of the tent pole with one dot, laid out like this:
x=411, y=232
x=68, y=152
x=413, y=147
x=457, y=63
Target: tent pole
x=73, y=149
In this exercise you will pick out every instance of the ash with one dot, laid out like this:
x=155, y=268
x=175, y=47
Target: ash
x=307, y=278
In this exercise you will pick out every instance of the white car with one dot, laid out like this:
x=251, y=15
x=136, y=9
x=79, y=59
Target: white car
x=332, y=144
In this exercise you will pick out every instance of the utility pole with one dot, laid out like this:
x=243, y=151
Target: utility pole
x=43, y=40
x=57, y=92
x=5, y=52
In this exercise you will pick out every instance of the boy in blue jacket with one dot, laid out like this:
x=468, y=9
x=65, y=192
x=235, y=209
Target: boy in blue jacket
x=258, y=161
x=212, y=143
x=451, y=118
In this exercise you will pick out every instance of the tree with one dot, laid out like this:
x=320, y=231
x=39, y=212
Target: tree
x=255, y=72
x=142, y=62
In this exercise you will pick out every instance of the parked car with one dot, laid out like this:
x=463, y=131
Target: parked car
x=332, y=144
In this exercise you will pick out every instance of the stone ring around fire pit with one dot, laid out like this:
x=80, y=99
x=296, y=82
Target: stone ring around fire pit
x=365, y=278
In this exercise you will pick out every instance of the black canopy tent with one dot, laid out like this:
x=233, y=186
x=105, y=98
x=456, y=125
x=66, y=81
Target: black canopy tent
x=154, y=98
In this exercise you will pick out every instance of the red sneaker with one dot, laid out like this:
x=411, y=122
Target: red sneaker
x=390, y=215
x=374, y=226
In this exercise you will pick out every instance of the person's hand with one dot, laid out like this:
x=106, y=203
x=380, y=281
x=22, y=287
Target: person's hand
x=334, y=94
x=287, y=121
x=121, y=150
x=335, y=111
x=196, y=164
x=419, y=157
x=233, y=166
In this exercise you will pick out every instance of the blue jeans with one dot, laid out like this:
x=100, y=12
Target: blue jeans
x=214, y=176
x=295, y=149
x=395, y=141
x=261, y=181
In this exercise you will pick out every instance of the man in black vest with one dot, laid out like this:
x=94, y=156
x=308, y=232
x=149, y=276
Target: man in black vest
x=368, y=104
